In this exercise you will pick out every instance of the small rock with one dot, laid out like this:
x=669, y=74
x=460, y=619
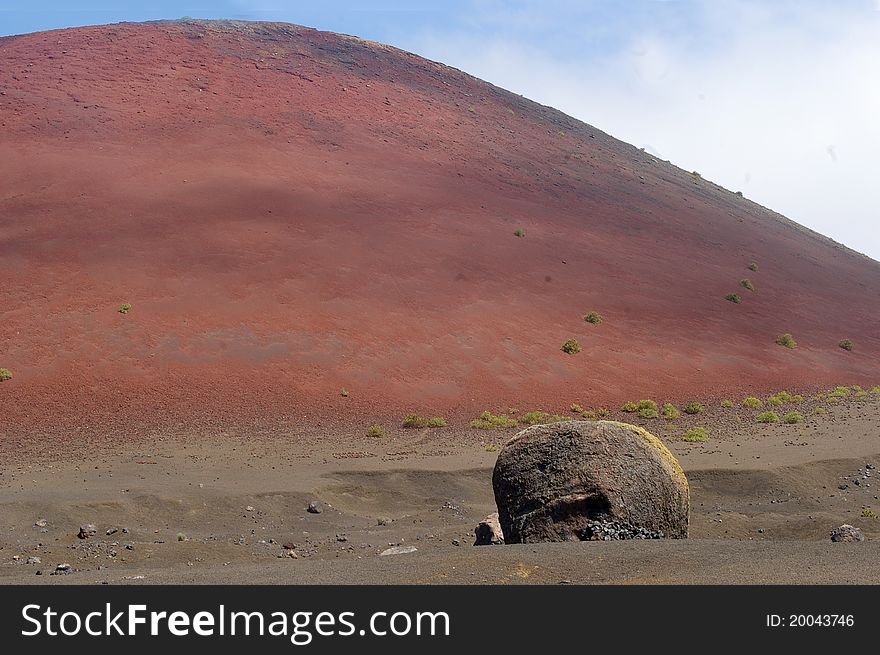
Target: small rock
x=289, y=545
x=315, y=507
x=87, y=530
x=41, y=523
x=61, y=569
x=249, y=508
x=34, y=560
x=398, y=550
x=843, y=486
x=341, y=537
x=456, y=542
x=847, y=533
x=111, y=531
x=383, y=521
x=488, y=531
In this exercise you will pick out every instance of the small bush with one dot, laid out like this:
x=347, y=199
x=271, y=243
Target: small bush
x=753, y=267
x=629, y=407
x=868, y=513
x=593, y=318
x=512, y=410
x=375, y=431
x=181, y=536
x=589, y=415
x=491, y=448
x=647, y=404
x=696, y=435
x=786, y=340
x=767, y=417
x=489, y=421
x=696, y=174
x=670, y=412
x=860, y=395
x=571, y=347
x=602, y=412
x=875, y=390
x=693, y=408
x=793, y=417
x=727, y=404
x=747, y=284
x=648, y=412
x=124, y=308
x=797, y=399
x=819, y=397
x=774, y=401
x=839, y=392
x=536, y=418
x=344, y=393
x=734, y=298
x=415, y=421
x=753, y=403
x=846, y=344
x=5, y=374
x=577, y=409
x=820, y=411
x=520, y=233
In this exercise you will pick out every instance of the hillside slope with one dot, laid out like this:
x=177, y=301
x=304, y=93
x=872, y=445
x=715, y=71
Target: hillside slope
x=291, y=213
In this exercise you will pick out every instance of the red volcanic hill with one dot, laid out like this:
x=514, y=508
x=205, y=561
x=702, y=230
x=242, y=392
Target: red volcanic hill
x=291, y=212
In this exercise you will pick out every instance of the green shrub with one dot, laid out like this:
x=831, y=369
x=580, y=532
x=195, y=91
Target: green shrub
x=5, y=374
x=839, y=392
x=647, y=404
x=734, y=298
x=375, y=431
x=746, y=283
x=820, y=411
x=491, y=448
x=793, y=417
x=868, y=513
x=753, y=403
x=786, y=340
x=846, y=344
x=875, y=390
x=489, y=421
x=693, y=408
x=696, y=435
x=629, y=407
x=589, y=415
x=593, y=317
x=860, y=395
x=124, y=308
x=577, y=409
x=767, y=417
x=797, y=398
x=670, y=412
x=602, y=412
x=648, y=412
x=571, y=347
x=536, y=418
x=753, y=267
x=520, y=233
x=774, y=401
x=727, y=404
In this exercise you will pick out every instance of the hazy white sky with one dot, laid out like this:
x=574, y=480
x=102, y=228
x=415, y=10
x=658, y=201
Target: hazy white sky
x=777, y=98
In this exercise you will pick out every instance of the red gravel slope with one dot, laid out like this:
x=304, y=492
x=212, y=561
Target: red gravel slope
x=292, y=212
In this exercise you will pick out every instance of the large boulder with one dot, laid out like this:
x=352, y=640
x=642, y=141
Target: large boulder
x=557, y=482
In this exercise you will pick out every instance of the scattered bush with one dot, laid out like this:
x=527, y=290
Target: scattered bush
x=571, y=347
x=602, y=412
x=512, y=410
x=839, y=392
x=344, y=393
x=797, y=398
x=774, y=401
x=793, y=417
x=846, y=344
x=753, y=403
x=875, y=390
x=375, y=431
x=491, y=448
x=819, y=397
x=860, y=395
x=786, y=340
x=577, y=409
x=820, y=411
x=520, y=233
x=589, y=415
x=629, y=407
x=734, y=298
x=696, y=435
x=753, y=267
x=5, y=374
x=693, y=408
x=670, y=412
x=124, y=308
x=767, y=417
x=868, y=513
x=594, y=318
x=727, y=404
x=536, y=418
x=489, y=421
x=747, y=284
x=648, y=412
x=647, y=404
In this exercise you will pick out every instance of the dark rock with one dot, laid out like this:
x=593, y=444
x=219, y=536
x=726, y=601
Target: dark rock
x=847, y=533
x=488, y=531
x=554, y=482
x=315, y=507
x=87, y=530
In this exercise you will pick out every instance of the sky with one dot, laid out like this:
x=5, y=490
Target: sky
x=779, y=99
